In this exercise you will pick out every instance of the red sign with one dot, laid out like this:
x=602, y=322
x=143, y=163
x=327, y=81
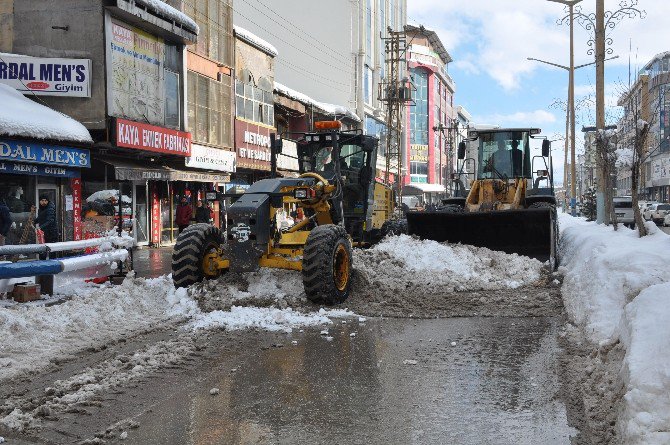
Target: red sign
x=147, y=137
x=252, y=142
x=37, y=85
x=75, y=185
x=155, y=215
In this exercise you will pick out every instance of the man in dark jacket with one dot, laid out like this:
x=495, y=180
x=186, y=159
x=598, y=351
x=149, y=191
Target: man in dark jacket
x=5, y=221
x=184, y=214
x=202, y=213
x=46, y=220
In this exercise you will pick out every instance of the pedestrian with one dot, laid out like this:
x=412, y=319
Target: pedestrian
x=5, y=221
x=184, y=214
x=46, y=220
x=202, y=213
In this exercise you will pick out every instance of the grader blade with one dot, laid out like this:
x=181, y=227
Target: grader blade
x=529, y=232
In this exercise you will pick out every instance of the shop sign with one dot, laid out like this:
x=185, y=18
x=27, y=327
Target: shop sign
x=209, y=158
x=75, y=185
x=23, y=151
x=288, y=158
x=147, y=137
x=660, y=168
x=47, y=77
x=418, y=153
x=136, y=174
x=16, y=168
x=252, y=143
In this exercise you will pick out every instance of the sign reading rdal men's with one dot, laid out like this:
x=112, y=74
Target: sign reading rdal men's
x=47, y=77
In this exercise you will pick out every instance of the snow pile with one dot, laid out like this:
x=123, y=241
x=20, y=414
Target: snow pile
x=605, y=270
x=171, y=13
x=20, y=116
x=269, y=319
x=256, y=41
x=401, y=260
x=646, y=367
x=106, y=195
x=617, y=287
x=34, y=335
x=306, y=100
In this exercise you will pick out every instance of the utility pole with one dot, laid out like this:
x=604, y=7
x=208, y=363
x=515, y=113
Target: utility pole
x=395, y=92
x=602, y=215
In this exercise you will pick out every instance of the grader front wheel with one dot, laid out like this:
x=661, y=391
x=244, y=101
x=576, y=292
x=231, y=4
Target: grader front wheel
x=326, y=265
x=195, y=254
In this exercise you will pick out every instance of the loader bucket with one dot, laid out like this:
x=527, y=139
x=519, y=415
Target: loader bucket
x=529, y=232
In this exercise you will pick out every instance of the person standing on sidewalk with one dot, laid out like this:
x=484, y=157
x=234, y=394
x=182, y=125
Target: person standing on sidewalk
x=46, y=220
x=5, y=221
x=202, y=213
x=184, y=214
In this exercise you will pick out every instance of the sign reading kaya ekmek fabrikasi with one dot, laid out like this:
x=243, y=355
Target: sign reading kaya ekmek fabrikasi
x=37, y=153
x=47, y=77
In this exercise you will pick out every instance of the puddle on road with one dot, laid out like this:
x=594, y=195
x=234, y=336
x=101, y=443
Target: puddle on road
x=475, y=381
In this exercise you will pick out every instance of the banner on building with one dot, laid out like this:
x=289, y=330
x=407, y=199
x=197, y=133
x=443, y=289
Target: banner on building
x=288, y=158
x=75, y=185
x=19, y=168
x=137, y=76
x=209, y=158
x=47, y=77
x=147, y=137
x=418, y=153
x=252, y=143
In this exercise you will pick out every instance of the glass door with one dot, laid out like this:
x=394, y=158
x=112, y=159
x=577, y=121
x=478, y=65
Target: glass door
x=141, y=214
x=51, y=192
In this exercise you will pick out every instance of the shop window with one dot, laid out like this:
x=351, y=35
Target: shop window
x=209, y=109
x=172, y=115
x=214, y=17
x=254, y=103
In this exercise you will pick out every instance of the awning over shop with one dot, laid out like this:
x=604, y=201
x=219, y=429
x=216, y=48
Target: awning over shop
x=126, y=170
x=420, y=189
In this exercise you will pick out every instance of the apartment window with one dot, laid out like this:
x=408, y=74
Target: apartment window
x=368, y=33
x=367, y=85
x=209, y=110
x=254, y=104
x=215, y=19
x=419, y=112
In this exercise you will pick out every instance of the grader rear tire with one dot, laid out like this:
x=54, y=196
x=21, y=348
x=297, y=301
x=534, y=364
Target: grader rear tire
x=326, y=265
x=192, y=245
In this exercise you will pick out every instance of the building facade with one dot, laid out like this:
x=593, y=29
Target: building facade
x=635, y=103
x=432, y=122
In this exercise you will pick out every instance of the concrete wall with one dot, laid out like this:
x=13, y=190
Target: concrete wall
x=256, y=61
x=33, y=35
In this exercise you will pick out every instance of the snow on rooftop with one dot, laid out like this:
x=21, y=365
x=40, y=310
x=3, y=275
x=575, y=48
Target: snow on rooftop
x=325, y=107
x=20, y=116
x=169, y=12
x=256, y=41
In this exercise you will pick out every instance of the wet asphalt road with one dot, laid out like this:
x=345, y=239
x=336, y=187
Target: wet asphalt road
x=498, y=384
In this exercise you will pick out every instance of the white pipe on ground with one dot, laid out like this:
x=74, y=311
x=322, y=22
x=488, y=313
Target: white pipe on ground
x=96, y=259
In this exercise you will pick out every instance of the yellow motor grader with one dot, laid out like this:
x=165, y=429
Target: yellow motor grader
x=342, y=204
x=510, y=205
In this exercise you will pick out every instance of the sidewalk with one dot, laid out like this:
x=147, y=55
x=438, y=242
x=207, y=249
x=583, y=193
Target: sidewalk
x=152, y=263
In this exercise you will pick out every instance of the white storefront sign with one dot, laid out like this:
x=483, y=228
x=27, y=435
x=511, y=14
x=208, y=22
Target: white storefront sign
x=47, y=77
x=288, y=159
x=209, y=158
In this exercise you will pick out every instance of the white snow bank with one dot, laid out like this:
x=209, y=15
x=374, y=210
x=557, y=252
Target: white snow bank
x=106, y=195
x=256, y=41
x=617, y=287
x=403, y=259
x=171, y=13
x=20, y=116
x=269, y=319
x=306, y=100
x=646, y=368
x=604, y=270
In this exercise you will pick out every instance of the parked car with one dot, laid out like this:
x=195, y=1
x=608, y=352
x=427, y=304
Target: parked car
x=658, y=215
x=646, y=208
x=623, y=208
x=666, y=220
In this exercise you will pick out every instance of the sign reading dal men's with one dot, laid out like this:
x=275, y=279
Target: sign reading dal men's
x=37, y=153
x=47, y=77
x=147, y=137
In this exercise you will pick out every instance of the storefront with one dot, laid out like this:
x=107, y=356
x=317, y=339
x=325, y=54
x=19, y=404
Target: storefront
x=29, y=169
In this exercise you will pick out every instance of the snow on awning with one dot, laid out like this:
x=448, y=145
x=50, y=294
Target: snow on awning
x=21, y=117
x=255, y=41
x=420, y=188
x=330, y=109
x=167, y=11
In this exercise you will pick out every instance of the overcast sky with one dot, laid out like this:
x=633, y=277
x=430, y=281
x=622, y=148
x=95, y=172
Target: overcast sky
x=490, y=41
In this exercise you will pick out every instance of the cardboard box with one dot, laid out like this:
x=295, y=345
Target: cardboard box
x=26, y=292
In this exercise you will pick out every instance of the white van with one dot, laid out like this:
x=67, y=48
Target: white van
x=623, y=208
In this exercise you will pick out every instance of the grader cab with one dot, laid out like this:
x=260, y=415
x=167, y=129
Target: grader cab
x=336, y=203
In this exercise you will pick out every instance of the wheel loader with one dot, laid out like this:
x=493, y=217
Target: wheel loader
x=337, y=204
x=510, y=205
